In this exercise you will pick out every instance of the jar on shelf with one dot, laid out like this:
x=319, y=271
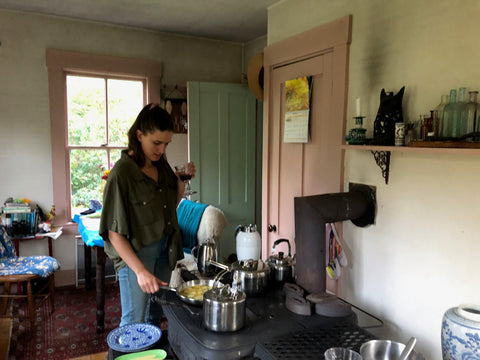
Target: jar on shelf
x=450, y=114
x=438, y=115
x=471, y=111
x=461, y=127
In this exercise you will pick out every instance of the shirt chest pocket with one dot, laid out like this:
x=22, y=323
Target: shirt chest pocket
x=145, y=209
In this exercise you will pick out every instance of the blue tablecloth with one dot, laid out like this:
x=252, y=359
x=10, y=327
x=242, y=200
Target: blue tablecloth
x=88, y=226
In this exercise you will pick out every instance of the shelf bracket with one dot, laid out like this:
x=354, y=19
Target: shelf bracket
x=382, y=158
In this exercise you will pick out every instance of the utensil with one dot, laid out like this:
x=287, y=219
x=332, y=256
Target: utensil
x=408, y=349
x=248, y=242
x=253, y=275
x=224, y=314
x=133, y=337
x=156, y=354
x=339, y=353
x=282, y=265
x=386, y=350
x=188, y=284
x=205, y=252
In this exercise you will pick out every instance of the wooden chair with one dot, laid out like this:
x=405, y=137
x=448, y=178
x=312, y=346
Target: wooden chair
x=34, y=273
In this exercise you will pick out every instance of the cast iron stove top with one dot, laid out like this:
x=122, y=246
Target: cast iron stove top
x=271, y=331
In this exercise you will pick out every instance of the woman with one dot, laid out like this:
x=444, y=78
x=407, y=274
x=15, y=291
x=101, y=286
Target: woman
x=139, y=221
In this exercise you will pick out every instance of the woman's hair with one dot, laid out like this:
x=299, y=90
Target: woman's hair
x=151, y=118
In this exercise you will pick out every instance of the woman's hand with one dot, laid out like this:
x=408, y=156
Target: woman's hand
x=148, y=282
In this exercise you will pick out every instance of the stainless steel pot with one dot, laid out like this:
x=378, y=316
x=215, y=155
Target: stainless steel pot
x=224, y=315
x=253, y=275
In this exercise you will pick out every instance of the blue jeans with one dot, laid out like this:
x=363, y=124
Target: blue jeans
x=136, y=305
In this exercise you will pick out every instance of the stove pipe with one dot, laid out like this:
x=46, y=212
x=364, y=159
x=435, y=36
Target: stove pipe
x=312, y=213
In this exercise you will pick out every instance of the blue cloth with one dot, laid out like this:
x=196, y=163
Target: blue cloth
x=189, y=214
x=11, y=264
x=88, y=226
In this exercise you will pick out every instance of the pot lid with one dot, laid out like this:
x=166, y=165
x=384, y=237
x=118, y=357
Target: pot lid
x=280, y=259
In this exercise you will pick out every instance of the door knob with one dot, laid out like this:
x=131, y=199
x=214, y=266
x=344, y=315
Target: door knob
x=272, y=228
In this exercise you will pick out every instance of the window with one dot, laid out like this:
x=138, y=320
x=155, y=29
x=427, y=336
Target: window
x=91, y=133
x=100, y=110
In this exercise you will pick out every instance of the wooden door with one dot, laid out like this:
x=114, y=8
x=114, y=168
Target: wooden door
x=315, y=167
x=222, y=143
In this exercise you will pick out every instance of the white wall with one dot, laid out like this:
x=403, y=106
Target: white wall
x=25, y=153
x=421, y=256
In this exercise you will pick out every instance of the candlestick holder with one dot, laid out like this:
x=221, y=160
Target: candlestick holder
x=357, y=135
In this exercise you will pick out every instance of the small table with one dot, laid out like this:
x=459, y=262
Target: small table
x=88, y=226
x=16, y=242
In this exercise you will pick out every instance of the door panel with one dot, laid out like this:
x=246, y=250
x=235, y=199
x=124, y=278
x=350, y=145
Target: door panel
x=297, y=165
x=222, y=135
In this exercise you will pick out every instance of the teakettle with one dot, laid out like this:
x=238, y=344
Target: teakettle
x=249, y=242
x=206, y=252
x=283, y=267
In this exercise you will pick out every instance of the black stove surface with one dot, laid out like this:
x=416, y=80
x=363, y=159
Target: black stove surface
x=271, y=331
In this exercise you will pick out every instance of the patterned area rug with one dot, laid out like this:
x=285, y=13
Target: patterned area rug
x=67, y=333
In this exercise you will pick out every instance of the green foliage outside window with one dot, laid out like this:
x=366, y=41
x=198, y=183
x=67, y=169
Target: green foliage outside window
x=89, y=122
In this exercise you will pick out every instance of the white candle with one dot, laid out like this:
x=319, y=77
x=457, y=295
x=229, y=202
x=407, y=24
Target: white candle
x=358, y=107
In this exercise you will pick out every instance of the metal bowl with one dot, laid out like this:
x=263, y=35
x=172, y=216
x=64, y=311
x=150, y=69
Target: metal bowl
x=386, y=350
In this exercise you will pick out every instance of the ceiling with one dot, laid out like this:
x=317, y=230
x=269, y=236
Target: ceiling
x=231, y=20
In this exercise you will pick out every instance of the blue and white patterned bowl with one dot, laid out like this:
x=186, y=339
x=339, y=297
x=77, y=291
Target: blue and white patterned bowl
x=461, y=333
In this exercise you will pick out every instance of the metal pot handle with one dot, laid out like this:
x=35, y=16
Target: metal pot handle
x=278, y=241
x=217, y=264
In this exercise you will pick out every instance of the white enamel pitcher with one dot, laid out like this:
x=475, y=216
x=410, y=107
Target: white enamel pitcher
x=249, y=242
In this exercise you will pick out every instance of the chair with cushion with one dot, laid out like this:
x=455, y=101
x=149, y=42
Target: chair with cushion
x=34, y=273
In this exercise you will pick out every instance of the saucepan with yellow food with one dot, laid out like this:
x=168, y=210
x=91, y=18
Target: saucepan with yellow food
x=191, y=292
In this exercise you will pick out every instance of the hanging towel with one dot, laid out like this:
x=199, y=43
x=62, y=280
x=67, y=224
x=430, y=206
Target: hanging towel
x=189, y=214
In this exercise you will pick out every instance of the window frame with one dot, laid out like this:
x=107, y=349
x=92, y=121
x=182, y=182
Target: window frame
x=61, y=63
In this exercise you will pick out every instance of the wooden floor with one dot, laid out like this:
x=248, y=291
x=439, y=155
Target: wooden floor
x=99, y=356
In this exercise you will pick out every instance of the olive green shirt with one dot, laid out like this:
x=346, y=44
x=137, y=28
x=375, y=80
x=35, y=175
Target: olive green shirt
x=142, y=210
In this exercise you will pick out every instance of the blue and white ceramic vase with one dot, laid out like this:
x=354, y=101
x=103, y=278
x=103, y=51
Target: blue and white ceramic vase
x=461, y=333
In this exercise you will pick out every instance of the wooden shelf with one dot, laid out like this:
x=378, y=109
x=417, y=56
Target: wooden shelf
x=415, y=149
x=381, y=154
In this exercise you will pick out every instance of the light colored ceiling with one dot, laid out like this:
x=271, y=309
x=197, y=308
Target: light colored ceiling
x=231, y=20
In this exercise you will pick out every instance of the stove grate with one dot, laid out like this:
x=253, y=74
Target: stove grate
x=311, y=344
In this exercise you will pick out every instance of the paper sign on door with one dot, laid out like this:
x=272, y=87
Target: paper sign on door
x=297, y=110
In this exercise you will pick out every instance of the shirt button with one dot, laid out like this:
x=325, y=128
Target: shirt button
x=160, y=190
x=164, y=206
x=144, y=203
x=168, y=223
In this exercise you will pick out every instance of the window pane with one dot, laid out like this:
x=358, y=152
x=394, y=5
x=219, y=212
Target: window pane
x=86, y=171
x=125, y=100
x=86, y=110
x=114, y=156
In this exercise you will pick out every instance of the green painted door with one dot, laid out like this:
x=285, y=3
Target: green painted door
x=224, y=144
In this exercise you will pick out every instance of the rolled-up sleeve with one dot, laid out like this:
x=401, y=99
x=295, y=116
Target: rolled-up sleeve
x=115, y=209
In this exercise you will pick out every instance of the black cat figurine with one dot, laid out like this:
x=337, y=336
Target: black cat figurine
x=389, y=113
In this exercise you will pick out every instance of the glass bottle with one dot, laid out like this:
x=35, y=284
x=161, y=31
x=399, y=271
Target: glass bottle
x=471, y=111
x=438, y=115
x=448, y=112
x=461, y=120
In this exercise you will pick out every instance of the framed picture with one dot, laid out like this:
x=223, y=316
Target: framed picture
x=177, y=108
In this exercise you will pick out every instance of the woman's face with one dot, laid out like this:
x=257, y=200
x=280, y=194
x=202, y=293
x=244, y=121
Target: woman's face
x=154, y=144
